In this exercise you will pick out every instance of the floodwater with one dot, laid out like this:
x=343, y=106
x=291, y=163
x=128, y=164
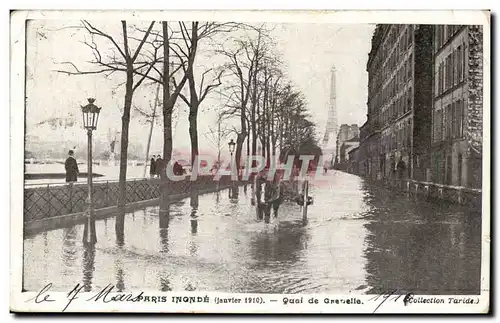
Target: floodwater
x=358, y=239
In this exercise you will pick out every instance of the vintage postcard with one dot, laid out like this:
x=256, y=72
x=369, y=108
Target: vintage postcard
x=250, y=161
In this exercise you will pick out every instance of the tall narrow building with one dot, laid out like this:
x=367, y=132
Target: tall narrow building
x=399, y=102
x=458, y=105
x=329, y=139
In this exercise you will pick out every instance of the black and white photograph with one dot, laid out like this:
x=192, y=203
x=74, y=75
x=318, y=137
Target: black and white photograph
x=253, y=162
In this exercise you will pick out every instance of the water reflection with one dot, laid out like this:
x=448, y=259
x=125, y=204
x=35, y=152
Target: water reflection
x=233, y=193
x=164, y=213
x=412, y=249
x=194, y=203
x=120, y=229
x=165, y=285
x=89, y=231
x=88, y=265
x=164, y=222
x=69, y=255
x=283, y=244
x=120, y=284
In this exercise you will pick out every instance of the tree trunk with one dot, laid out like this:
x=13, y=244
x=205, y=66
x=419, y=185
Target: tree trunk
x=122, y=200
x=167, y=105
x=239, y=148
x=193, y=133
x=248, y=139
x=194, y=102
x=254, y=135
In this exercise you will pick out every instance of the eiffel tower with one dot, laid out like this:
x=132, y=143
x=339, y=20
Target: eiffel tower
x=329, y=139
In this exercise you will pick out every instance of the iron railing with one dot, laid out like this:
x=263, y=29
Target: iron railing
x=57, y=199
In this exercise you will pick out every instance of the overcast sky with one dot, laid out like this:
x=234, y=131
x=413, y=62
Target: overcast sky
x=308, y=50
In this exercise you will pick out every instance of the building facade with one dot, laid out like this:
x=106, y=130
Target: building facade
x=354, y=161
x=458, y=101
x=346, y=132
x=399, y=102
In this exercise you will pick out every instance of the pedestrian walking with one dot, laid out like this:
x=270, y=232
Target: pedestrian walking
x=152, y=167
x=71, y=167
x=401, y=167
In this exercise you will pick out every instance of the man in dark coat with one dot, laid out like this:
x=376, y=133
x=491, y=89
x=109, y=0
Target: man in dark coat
x=159, y=166
x=152, y=167
x=71, y=168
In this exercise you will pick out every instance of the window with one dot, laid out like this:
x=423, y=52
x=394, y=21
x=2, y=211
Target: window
x=459, y=162
x=438, y=126
x=445, y=74
x=410, y=62
x=448, y=121
x=459, y=64
x=409, y=98
x=440, y=79
x=450, y=71
x=456, y=66
x=438, y=37
x=454, y=123
x=464, y=60
x=450, y=84
x=403, y=102
x=410, y=130
x=409, y=37
x=460, y=117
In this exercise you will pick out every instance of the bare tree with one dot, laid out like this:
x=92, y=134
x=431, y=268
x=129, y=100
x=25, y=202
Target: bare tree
x=217, y=134
x=171, y=65
x=120, y=59
x=244, y=56
x=191, y=39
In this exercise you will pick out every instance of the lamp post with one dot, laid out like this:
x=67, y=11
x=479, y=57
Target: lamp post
x=90, y=114
x=231, y=144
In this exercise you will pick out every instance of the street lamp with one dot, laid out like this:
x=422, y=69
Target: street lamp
x=232, y=144
x=90, y=114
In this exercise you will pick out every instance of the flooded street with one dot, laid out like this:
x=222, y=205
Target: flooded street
x=359, y=238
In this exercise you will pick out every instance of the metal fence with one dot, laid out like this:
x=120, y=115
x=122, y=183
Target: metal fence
x=56, y=199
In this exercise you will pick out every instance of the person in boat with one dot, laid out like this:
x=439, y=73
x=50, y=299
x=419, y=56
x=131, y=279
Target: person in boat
x=71, y=167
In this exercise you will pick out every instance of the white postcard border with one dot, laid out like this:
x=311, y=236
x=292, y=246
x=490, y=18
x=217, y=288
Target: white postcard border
x=26, y=301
